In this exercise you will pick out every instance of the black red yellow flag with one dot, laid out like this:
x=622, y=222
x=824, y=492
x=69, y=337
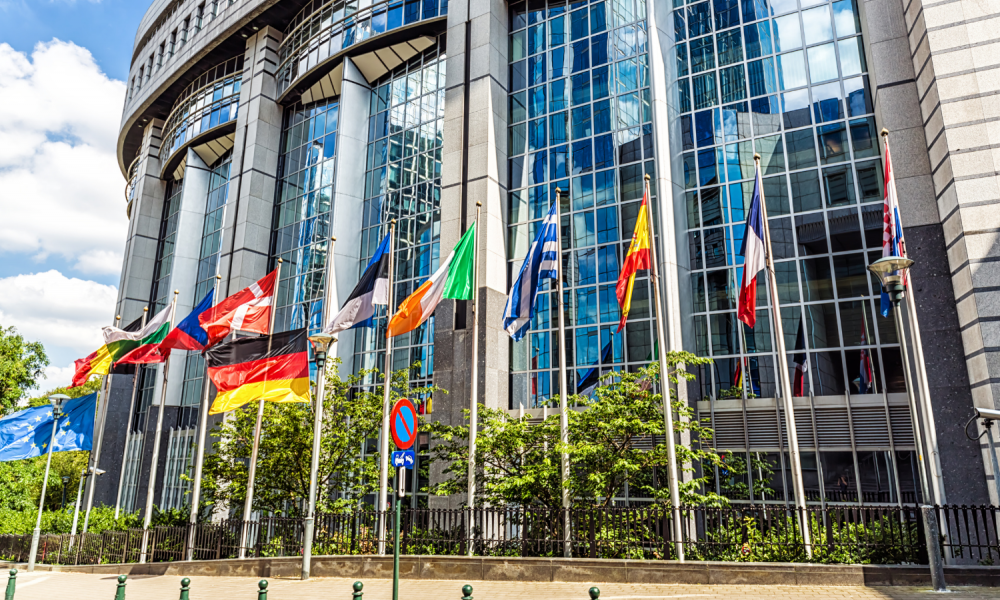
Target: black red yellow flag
x=244, y=370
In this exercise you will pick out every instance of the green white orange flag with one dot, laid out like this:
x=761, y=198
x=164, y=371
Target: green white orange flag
x=120, y=342
x=454, y=279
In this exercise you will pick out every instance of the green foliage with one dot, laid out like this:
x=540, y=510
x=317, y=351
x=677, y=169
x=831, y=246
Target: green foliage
x=90, y=387
x=518, y=462
x=733, y=469
x=21, y=481
x=21, y=363
x=352, y=415
x=102, y=518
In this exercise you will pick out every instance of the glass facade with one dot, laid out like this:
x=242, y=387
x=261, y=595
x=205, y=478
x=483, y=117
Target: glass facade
x=180, y=452
x=303, y=212
x=211, y=100
x=165, y=247
x=403, y=182
x=579, y=119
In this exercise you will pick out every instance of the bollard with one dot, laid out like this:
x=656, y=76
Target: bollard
x=120, y=592
x=185, y=588
x=262, y=592
x=357, y=590
x=932, y=533
x=594, y=593
x=467, y=592
x=10, y=585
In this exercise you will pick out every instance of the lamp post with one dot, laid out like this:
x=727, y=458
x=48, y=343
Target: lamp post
x=891, y=272
x=65, y=480
x=79, y=496
x=321, y=344
x=57, y=402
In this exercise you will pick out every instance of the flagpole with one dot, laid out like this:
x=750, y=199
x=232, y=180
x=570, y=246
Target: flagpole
x=57, y=401
x=199, y=453
x=563, y=387
x=151, y=486
x=128, y=428
x=95, y=454
x=673, y=475
x=248, y=503
x=923, y=386
x=868, y=338
x=786, y=384
x=383, y=470
x=474, y=384
x=321, y=353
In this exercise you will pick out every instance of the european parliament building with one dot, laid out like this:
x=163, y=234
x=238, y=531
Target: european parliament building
x=255, y=130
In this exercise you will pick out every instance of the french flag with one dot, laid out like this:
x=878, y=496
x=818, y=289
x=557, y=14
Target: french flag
x=752, y=252
x=188, y=335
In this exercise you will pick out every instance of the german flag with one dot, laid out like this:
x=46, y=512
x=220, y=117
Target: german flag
x=244, y=370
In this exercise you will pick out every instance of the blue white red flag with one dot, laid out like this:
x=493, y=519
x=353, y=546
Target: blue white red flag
x=539, y=264
x=892, y=232
x=752, y=251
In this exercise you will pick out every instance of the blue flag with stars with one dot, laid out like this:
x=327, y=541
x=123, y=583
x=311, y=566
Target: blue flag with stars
x=28, y=433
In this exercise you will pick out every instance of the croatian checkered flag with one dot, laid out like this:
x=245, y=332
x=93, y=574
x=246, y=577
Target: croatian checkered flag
x=892, y=232
x=539, y=264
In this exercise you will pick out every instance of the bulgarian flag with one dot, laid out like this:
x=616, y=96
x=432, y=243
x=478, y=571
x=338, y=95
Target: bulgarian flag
x=638, y=258
x=120, y=342
x=454, y=279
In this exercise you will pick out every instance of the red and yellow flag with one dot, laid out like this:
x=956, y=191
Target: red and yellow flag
x=244, y=370
x=638, y=257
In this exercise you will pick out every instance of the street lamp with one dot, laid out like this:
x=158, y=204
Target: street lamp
x=321, y=345
x=65, y=480
x=57, y=402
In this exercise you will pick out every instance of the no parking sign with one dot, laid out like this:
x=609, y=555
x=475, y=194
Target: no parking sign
x=403, y=423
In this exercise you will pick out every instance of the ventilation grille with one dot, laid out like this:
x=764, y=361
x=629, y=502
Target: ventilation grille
x=803, y=426
x=870, y=427
x=832, y=426
x=762, y=426
x=902, y=428
x=728, y=427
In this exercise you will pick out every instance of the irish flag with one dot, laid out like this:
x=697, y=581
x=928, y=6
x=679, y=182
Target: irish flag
x=454, y=279
x=120, y=342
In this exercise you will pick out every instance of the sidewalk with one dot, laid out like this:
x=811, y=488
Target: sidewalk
x=58, y=586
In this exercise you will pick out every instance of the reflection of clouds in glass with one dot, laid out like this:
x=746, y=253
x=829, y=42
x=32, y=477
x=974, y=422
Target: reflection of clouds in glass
x=816, y=24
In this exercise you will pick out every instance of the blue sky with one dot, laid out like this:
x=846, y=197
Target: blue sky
x=62, y=66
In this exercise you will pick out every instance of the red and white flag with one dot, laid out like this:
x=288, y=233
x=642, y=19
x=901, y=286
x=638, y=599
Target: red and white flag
x=892, y=228
x=247, y=310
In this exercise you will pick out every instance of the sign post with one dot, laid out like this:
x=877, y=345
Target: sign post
x=403, y=427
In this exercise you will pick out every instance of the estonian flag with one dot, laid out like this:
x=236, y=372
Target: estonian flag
x=592, y=378
x=371, y=290
x=244, y=370
x=539, y=264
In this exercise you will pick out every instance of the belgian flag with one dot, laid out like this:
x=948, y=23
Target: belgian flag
x=244, y=370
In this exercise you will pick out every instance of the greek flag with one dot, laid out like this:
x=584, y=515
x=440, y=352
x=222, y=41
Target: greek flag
x=539, y=264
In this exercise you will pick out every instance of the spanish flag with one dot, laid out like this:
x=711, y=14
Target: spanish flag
x=244, y=370
x=638, y=257
x=97, y=362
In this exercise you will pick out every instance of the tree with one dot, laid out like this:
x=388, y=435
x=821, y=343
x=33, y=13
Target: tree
x=352, y=415
x=21, y=363
x=609, y=447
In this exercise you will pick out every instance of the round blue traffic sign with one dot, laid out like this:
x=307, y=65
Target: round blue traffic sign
x=403, y=423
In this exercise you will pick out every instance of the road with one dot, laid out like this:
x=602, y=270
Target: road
x=77, y=586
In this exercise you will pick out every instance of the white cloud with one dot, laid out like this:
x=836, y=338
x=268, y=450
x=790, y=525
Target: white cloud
x=59, y=311
x=61, y=192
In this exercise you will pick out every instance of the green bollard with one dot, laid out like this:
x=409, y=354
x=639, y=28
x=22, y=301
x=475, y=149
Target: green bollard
x=357, y=590
x=120, y=592
x=185, y=588
x=466, y=592
x=262, y=592
x=594, y=593
x=10, y=585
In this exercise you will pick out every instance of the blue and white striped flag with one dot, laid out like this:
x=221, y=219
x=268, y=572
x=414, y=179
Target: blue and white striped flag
x=539, y=264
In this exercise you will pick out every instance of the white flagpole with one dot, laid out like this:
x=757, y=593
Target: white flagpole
x=128, y=428
x=786, y=384
x=474, y=384
x=95, y=455
x=563, y=387
x=673, y=475
x=199, y=453
x=383, y=470
x=151, y=486
x=248, y=503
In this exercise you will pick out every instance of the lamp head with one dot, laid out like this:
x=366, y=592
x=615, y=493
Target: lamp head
x=321, y=341
x=890, y=269
x=57, y=400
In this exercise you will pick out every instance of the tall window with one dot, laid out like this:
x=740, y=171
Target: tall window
x=165, y=248
x=579, y=119
x=173, y=43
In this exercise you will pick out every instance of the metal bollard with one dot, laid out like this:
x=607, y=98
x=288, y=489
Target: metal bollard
x=120, y=592
x=262, y=591
x=10, y=585
x=467, y=592
x=594, y=593
x=185, y=588
x=357, y=590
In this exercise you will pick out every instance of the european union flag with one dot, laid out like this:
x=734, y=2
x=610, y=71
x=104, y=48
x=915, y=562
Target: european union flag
x=27, y=433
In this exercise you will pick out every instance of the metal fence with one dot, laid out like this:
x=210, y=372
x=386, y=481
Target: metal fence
x=772, y=533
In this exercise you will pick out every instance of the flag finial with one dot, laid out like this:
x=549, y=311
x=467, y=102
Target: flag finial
x=885, y=132
x=145, y=309
x=647, y=177
x=756, y=157
x=218, y=276
x=478, y=203
x=176, y=292
x=333, y=238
